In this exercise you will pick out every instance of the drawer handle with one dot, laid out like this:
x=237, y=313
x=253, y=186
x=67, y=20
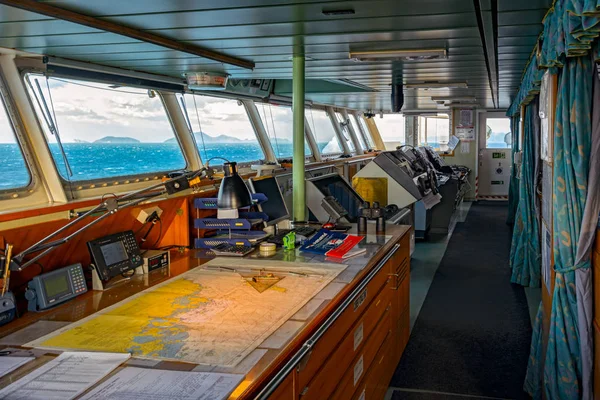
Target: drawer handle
x=382, y=357
x=378, y=301
x=397, y=276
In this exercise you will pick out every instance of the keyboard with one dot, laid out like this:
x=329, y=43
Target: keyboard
x=231, y=250
x=305, y=231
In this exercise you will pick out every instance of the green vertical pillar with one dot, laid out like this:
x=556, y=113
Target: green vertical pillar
x=299, y=190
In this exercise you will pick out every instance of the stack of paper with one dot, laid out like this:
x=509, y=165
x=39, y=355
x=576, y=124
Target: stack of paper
x=65, y=377
x=140, y=383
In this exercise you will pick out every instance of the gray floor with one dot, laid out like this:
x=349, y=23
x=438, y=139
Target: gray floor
x=425, y=261
x=424, y=264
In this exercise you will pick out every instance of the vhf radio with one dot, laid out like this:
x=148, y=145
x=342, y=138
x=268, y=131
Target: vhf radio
x=114, y=254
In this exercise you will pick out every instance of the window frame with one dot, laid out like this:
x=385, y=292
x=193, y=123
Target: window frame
x=309, y=157
x=439, y=150
x=345, y=131
x=243, y=164
x=18, y=130
x=325, y=110
x=82, y=185
x=364, y=129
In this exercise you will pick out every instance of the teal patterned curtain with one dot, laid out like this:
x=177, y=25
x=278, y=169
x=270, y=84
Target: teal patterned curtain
x=525, y=255
x=513, y=188
x=570, y=29
x=533, y=378
x=563, y=378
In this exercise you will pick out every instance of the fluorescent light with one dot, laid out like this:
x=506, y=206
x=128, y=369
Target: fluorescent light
x=436, y=85
x=393, y=55
x=454, y=99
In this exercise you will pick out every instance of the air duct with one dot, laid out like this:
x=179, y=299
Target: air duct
x=397, y=97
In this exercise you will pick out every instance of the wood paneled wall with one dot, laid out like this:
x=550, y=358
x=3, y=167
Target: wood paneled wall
x=175, y=231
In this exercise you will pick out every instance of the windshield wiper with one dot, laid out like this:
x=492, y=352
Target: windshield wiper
x=185, y=113
x=52, y=126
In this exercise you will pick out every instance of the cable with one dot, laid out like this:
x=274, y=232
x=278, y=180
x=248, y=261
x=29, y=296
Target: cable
x=200, y=127
x=160, y=228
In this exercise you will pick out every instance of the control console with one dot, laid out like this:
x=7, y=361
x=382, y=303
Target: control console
x=115, y=254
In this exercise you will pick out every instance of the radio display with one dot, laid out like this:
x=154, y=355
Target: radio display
x=114, y=253
x=56, y=285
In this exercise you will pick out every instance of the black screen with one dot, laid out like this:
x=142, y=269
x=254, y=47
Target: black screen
x=274, y=207
x=56, y=285
x=337, y=187
x=114, y=253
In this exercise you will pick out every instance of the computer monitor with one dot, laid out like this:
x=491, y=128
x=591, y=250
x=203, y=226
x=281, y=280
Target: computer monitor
x=335, y=185
x=275, y=206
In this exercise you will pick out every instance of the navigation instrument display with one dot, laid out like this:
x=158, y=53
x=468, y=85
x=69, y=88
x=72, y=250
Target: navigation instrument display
x=114, y=253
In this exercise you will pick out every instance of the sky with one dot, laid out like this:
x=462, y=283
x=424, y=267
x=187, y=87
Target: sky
x=219, y=116
x=499, y=124
x=88, y=111
x=391, y=127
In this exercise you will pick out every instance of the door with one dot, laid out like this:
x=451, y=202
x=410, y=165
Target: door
x=494, y=155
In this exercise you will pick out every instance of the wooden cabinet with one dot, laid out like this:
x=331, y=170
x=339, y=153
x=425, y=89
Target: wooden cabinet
x=355, y=357
x=285, y=391
x=596, y=322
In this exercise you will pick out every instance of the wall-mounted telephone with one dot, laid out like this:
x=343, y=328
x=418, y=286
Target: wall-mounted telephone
x=114, y=254
x=55, y=287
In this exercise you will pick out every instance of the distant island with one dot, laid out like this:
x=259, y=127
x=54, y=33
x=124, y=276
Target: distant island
x=222, y=139
x=116, y=139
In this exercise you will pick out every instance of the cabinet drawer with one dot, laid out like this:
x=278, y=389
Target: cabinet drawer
x=376, y=381
x=325, y=380
x=352, y=379
x=285, y=391
x=335, y=334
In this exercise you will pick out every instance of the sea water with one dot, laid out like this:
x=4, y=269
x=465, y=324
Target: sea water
x=102, y=160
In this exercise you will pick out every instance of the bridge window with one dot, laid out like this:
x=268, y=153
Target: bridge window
x=16, y=174
x=323, y=130
x=434, y=132
x=366, y=130
x=392, y=130
x=497, y=133
x=361, y=138
x=346, y=131
x=97, y=130
x=222, y=128
x=278, y=122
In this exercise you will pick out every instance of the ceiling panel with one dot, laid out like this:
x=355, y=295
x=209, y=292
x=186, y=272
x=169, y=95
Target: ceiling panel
x=269, y=31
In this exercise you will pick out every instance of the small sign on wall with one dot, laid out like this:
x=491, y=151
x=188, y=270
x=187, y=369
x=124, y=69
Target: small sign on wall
x=465, y=147
x=465, y=134
x=499, y=155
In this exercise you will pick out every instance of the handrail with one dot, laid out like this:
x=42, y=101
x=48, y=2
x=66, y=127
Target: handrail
x=312, y=340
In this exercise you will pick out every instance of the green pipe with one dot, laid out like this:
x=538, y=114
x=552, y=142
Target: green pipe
x=298, y=87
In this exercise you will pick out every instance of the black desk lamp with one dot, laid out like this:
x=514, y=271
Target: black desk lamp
x=233, y=193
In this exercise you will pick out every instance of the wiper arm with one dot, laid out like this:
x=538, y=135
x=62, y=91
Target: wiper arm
x=185, y=113
x=52, y=126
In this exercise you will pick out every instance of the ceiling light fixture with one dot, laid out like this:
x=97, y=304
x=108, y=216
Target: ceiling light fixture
x=399, y=55
x=436, y=85
x=453, y=99
x=344, y=11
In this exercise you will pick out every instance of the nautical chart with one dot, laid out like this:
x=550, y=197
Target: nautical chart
x=202, y=316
